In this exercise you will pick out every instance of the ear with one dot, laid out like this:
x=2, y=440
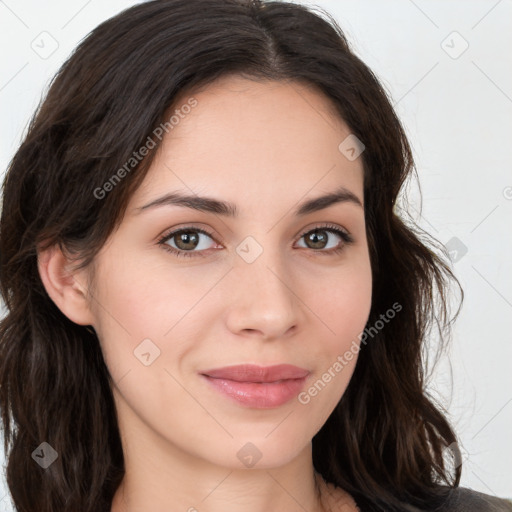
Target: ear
x=66, y=288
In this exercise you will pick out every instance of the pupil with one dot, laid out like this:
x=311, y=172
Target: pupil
x=315, y=238
x=188, y=237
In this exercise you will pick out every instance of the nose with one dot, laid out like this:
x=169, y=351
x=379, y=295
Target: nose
x=264, y=300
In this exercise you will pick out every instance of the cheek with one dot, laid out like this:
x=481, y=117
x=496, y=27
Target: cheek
x=343, y=306
x=343, y=303
x=144, y=308
x=126, y=293
x=344, y=310
x=141, y=297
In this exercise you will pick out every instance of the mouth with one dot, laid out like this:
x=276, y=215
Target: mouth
x=261, y=387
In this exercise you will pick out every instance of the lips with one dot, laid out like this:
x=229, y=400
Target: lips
x=260, y=387
x=254, y=373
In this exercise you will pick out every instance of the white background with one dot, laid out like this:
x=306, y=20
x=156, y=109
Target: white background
x=457, y=109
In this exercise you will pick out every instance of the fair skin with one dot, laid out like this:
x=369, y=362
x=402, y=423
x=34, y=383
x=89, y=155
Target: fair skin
x=267, y=148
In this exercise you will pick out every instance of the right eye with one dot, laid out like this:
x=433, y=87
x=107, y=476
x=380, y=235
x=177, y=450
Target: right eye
x=186, y=240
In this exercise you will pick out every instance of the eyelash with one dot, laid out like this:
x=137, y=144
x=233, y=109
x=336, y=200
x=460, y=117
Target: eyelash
x=346, y=237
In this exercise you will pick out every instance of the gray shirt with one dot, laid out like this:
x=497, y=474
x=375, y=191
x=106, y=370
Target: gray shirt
x=463, y=499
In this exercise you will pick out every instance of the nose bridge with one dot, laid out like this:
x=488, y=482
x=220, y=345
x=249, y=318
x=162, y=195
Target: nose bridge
x=263, y=267
x=263, y=296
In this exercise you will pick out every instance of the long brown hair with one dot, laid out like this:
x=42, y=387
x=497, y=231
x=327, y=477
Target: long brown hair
x=385, y=442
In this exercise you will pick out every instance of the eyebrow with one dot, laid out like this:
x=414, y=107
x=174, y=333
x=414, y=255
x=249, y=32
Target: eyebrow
x=210, y=205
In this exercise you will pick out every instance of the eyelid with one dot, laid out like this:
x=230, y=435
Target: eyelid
x=326, y=226
x=169, y=233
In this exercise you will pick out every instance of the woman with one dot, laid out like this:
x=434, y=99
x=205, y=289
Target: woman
x=213, y=301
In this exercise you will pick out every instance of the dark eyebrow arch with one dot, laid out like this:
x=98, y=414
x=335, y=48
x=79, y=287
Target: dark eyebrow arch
x=210, y=205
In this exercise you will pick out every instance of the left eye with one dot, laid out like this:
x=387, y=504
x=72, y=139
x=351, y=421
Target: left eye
x=188, y=239
x=318, y=237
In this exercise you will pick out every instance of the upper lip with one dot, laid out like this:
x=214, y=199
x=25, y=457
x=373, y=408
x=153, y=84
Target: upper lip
x=255, y=373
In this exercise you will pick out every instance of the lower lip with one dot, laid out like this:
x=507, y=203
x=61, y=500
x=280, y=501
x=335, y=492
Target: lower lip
x=259, y=394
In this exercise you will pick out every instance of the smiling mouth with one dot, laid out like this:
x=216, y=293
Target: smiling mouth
x=257, y=386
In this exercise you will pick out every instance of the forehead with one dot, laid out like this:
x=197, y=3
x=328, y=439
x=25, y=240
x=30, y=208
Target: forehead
x=244, y=138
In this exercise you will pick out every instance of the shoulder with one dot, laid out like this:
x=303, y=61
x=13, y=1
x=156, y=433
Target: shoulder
x=462, y=499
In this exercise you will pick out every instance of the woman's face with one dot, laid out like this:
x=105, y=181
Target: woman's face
x=260, y=288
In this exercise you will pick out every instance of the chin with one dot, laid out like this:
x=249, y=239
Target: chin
x=263, y=450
